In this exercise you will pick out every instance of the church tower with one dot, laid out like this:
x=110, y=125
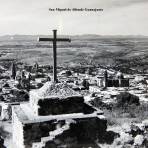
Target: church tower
x=106, y=78
x=13, y=70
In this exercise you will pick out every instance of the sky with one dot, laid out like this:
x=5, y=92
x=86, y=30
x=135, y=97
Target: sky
x=119, y=17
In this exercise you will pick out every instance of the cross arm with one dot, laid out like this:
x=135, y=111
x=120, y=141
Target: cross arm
x=52, y=39
x=45, y=39
x=63, y=40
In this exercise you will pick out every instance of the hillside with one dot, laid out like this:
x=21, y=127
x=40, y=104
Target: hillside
x=121, y=52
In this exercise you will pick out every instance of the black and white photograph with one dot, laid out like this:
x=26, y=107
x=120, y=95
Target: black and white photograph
x=73, y=74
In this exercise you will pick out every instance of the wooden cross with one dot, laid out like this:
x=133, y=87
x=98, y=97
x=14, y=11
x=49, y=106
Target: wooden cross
x=54, y=40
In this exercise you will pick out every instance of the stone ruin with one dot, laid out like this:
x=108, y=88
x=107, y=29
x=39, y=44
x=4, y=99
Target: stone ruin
x=56, y=116
x=9, y=96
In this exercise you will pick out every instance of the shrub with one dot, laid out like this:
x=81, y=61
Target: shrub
x=125, y=99
x=85, y=83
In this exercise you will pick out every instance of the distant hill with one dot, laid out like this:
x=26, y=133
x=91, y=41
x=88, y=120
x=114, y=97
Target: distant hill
x=121, y=52
x=85, y=36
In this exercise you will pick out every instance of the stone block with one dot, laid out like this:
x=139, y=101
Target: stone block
x=55, y=106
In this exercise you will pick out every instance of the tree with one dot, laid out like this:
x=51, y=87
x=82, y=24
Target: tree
x=13, y=71
x=126, y=99
x=85, y=83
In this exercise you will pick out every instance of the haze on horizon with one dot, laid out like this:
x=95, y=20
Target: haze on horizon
x=128, y=17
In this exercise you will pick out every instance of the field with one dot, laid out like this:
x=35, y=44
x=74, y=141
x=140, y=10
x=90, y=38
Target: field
x=121, y=52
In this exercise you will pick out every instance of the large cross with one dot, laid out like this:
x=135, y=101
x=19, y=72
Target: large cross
x=54, y=40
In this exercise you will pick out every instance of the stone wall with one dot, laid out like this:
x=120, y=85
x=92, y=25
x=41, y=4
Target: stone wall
x=58, y=93
x=58, y=106
x=89, y=128
x=25, y=134
x=17, y=131
x=81, y=134
x=33, y=132
x=80, y=130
